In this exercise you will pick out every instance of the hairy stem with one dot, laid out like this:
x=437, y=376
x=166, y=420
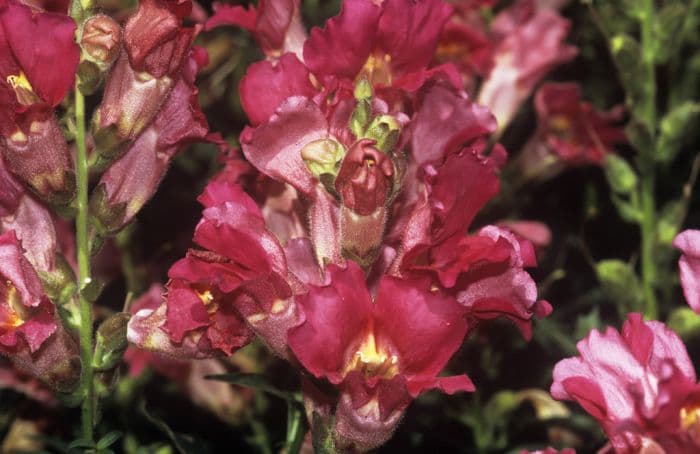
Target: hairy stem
x=83, y=252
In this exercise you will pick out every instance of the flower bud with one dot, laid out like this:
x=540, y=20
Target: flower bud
x=100, y=40
x=40, y=159
x=323, y=156
x=365, y=178
x=385, y=130
x=110, y=342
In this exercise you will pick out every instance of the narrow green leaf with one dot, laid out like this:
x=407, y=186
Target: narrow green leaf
x=256, y=381
x=675, y=128
x=621, y=285
x=621, y=177
x=108, y=440
x=668, y=28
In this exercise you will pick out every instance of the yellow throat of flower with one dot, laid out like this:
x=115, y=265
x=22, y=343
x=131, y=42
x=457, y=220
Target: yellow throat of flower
x=372, y=360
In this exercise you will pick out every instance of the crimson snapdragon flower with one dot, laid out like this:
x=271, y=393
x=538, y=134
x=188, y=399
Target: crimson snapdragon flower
x=569, y=132
x=33, y=81
x=639, y=384
x=380, y=352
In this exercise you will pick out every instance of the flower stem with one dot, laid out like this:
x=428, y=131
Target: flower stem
x=83, y=252
x=647, y=168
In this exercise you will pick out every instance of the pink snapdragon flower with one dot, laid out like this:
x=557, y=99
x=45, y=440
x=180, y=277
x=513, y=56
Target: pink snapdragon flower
x=639, y=384
x=688, y=242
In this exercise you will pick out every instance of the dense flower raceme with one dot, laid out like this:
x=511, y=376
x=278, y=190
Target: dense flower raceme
x=639, y=384
x=569, y=132
x=348, y=182
x=361, y=211
x=31, y=334
x=38, y=61
x=689, y=264
x=156, y=50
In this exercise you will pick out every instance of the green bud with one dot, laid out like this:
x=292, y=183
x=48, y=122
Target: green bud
x=110, y=342
x=620, y=284
x=323, y=157
x=360, y=117
x=363, y=90
x=620, y=175
x=385, y=130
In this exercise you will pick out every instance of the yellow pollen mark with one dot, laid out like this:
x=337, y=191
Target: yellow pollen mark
x=10, y=314
x=377, y=69
x=23, y=89
x=19, y=137
x=207, y=298
x=560, y=123
x=278, y=306
x=373, y=361
x=690, y=421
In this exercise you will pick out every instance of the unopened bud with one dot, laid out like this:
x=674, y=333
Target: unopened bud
x=385, y=130
x=323, y=156
x=101, y=39
x=363, y=90
x=110, y=342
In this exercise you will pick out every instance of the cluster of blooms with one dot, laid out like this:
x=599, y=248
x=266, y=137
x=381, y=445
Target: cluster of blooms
x=148, y=112
x=35, y=169
x=350, y=256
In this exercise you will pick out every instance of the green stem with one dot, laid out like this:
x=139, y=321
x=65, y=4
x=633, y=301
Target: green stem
x=83, y=251
x=648, y=241
x=647, y=168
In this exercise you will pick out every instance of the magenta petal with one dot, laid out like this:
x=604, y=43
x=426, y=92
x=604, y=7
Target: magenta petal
x=445, y=120
x=455, y=199
x=448, y=385
x=274, y=147
x=334, y=316
x=426, y=328
x=342, y=47
x=409, y=32
x=688, y=242
x=186, y=311
x=232, y=15
x=219, y=193
x=266, y=85
x=35, y=39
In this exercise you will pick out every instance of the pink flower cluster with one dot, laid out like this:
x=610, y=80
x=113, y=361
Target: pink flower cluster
x=351, y=257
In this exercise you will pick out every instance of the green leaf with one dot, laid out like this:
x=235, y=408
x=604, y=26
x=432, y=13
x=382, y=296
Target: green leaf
x=668, y=32
x=669, y=221
x=296, y=428
x=620, y=284
x=322, y=435
x=685, y=322
x=639, y=136
x=184, y=444
x=80, y=443
x=108, y=440
x=628, y=58
x=92, y=290
x=256, y=381
x=621, y=177
x=627, y=210
x=675, y=128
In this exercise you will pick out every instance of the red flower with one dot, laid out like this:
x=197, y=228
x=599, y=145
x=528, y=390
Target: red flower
x=640, y=385
x=31, y=334
x=380, y=355
x=38, y=60
x=570, y=132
